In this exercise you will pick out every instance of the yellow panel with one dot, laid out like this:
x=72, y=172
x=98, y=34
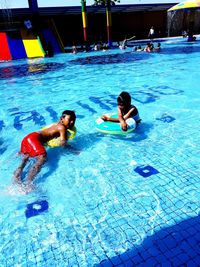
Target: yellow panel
x=32, y=44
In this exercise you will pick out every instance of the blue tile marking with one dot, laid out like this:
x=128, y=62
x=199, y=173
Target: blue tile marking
x=36, y=208
x=97, y=100
x=2, y=146
x=145, y=98
x=166, y=90
x=2, y=150
x=80, y=116
x=166, y=118
x=32, y=115
x=87, y=107
x=52, y=113
x=13, y=109
x=2, y=125
x=146, y=171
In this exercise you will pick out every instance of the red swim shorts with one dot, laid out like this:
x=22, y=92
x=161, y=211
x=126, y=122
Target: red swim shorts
x=32, y=145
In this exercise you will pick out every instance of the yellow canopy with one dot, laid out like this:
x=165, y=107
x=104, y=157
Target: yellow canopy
x=186, y=5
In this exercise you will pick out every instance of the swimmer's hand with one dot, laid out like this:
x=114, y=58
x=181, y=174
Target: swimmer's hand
x=105, y=118
x=124, y=126
x=63, y=143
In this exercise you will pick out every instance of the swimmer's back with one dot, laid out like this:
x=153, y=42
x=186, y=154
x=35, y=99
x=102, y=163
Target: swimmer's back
x=51, y=132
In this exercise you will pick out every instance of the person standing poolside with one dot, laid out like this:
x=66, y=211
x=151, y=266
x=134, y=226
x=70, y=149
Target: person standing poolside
x=125, y=111
x=32, y=146
x=151, y=33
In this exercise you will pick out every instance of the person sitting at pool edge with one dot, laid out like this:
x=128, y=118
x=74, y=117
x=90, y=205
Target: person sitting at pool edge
x=33, y=146
x=125, y=111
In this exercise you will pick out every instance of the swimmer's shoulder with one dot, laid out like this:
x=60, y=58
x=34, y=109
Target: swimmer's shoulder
x=51, y=129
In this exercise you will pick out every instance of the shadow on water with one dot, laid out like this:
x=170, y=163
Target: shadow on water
x=53, y=157
x=110, y=58
x=82, y=142
x=28, y=69
x=188, y=48
x=177, y=245
x=85, y=141
x=139, y=134
x=131, y=56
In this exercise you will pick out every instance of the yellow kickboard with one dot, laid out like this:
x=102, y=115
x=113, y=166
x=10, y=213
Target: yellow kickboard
x=32, y=45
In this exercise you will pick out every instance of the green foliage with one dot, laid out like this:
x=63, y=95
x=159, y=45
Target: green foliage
x=103, y=2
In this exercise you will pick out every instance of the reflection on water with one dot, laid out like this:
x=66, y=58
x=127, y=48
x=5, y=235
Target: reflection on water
x=28, y=69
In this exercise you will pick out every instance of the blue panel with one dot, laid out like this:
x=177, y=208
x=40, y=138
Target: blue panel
x=146, y=171
x=49, y=36
x=16, y=46
x=36, y=208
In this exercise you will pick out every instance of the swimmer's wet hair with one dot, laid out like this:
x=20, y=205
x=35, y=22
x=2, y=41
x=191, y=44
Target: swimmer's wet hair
x=71, y=113
x=124, y=97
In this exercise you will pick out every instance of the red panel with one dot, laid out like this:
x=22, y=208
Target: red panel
x=4, y=48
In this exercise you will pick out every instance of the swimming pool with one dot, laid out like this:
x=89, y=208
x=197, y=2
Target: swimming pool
x=111, y=200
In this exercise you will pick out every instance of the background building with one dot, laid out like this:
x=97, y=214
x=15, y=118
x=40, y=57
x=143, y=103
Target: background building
x=66, y=21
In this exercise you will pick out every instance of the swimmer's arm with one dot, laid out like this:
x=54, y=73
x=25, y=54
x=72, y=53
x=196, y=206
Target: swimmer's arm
x=120, y=116
x=107, y=118
x=131, y=38
x=129, y=114
x=63, y=139
x=122, y=120
x=119, y=119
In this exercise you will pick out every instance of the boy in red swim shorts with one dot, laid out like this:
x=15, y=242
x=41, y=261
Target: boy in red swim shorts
x=33, y=145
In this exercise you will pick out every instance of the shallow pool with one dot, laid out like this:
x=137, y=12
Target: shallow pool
x=106, y=200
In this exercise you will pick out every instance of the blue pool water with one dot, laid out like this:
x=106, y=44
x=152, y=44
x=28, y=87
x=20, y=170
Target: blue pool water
x=108, y=200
